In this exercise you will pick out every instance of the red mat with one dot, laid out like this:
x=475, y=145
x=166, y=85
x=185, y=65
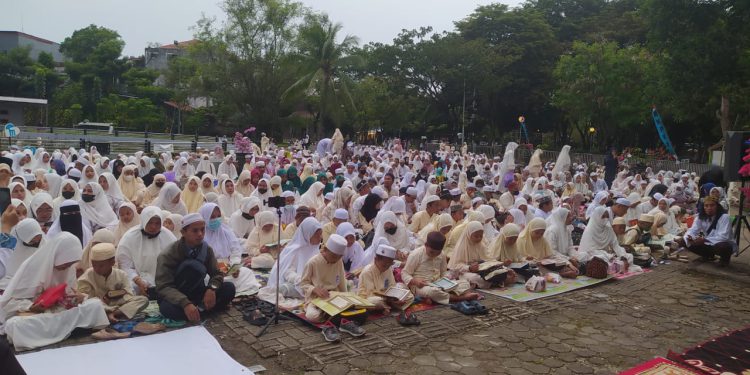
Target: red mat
x=725, y=355
x=658, y=366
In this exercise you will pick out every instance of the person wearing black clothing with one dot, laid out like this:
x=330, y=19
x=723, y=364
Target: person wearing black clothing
x=610, y=166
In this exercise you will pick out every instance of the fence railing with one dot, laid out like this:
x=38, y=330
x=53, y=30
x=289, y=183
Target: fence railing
x=523, y=155
x=65, y=133
x=118, y=146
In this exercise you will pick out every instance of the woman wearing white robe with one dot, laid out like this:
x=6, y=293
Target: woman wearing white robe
x=170, y=199
x=227, y=168
x=243, y=221
x=52, y=265
x=265, y=232
x=113, y=192
x=229, y=202
x=557, y=233
x=71, y=187
x=600, y=200
x=227, y=249
x=98, y=212
x=89, y=169
x=304, y=245
x=145, y=166
x=122, y=225
x=204, y=165
x=26, y=233
x=599, y=239
x=137, y=254
x=313, y=197
x=18, y=191
x=354, y=255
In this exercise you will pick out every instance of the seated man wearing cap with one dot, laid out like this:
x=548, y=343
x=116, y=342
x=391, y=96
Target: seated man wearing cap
x=619, y=209
x=377, y=277
x=302, y=213
x=324, y=273
x=339, y=216
x=640, y=233
x=181, y=271
x=597, y=184
x=544, y=207
x=711, y=233
x=428, y=264
x=410, y=198
x=111, y=285
x=619, y=226
x=422, y=218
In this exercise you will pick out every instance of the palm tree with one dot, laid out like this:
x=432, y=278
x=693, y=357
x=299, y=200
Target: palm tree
x=322, y=61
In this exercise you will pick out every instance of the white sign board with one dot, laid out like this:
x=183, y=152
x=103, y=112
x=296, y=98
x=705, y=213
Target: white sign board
x=11, y=131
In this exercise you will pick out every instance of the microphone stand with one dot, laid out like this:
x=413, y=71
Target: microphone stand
x=276, y=313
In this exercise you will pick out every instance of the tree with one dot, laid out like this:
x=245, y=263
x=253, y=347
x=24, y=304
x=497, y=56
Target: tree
x=16, y=73
x=323, y=61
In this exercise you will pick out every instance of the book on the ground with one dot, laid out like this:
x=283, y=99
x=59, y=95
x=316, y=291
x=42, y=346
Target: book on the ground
x=519, y=265
x=340, y=302
x=445, y=284
x=399, y=294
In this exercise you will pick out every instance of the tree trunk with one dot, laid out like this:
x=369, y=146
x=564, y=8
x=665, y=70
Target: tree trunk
x=722, y=114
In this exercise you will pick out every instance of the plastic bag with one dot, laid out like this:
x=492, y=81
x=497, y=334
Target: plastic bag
x=536, y=284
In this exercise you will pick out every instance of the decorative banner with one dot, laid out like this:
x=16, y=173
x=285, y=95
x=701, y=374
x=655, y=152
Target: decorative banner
x=522, y=121
x=663, y=132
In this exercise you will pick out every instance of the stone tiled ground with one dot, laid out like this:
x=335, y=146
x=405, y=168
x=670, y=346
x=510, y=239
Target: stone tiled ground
x=599, y=330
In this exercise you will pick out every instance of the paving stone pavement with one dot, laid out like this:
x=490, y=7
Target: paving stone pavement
x=603, y=329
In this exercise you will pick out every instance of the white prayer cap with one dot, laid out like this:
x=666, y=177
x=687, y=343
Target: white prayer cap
x=339, y=171
x=412, y=191
x=489, y=189
x=336, y=244
x=594, y=174
x=261, y=163
x=386, y=251
x=623, y=202
x=82, y=160
x=341, y=214
x=429, y=199
x=74, y=173
x=287, y=194
x=471, y=185
x=658, y=196
x=476, y=200
x=377, y=190
x=191, y=218
x=102, y=251
x=455, y=191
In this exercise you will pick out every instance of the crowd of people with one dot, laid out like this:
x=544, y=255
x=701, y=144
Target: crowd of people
x=110, y=234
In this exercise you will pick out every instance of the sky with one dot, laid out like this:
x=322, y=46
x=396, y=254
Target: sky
x=140, y=22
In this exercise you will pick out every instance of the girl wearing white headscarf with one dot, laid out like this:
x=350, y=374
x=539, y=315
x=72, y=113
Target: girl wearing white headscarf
x=229, y=199
x=458, y=231
x=244, y=183
x=97, y=211
x=54, y=183
x=173, y=222
x=137, y=253
x=443, y=224
x=129, y=218
x=557, y=233
x=207, y=184
x=131, y=187
x=313, y=197
x=303, y=246
x=470, y=250
x=39, y=201
x=243, y=221
x=397, y=234
x=48, y=267
x=88, y=174
x=182, y=170
x=490, y=232
x=563, y=161
x=103, y=165
x=262, y=192
x=600, y=199
x=112, y=190
x=205, y=165
x=354, y=255
x=169, y=199
x=599, y=239
x=531, y=243
x=228, y=168
x=29, y=238
x=265, y=232
x=528, y=211
x=227, y=249
x=145, y=166
x=152, y=191
x=18, y=191
x=68, y=190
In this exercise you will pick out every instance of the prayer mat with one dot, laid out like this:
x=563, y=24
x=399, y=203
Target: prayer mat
x=622, y=276
x=658, y=366
x=191, y=351
x=518, y=292
x=727, y=354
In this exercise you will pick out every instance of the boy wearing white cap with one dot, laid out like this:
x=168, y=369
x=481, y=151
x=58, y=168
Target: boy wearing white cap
x=378, y=277
x=424, y=217
x=339, y=216
x=325, y=273
x=111, y=285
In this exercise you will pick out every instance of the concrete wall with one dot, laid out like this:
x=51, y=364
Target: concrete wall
x=13, y=39
x=158, y=58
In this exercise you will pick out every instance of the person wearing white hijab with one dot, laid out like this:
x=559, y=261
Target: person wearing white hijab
x=600, y=199
x=303, y=246
x=396, y=233
x=228, y=168
x=313, y=197
x=261, y=242
x=600, y=240
x=490, y=232
x=145, y=166
x=169, y=199
x=139, y=248
x=263, y=192
x=18, y=191
x=557, y=233
x=243, y=220
x=51, y=266
x=173, y=222
x=112, y=190
x=229, y=199
x=129, y=218
x=95, y=207
x=205, y=165
x=29, y=238
x=227, y=250
x=88, y=174
x=68, y=190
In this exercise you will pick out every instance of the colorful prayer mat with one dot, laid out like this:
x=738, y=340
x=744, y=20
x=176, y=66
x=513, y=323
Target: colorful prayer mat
x=726, y=355
x=623, y=276
x=658, y=366
x=519, y=293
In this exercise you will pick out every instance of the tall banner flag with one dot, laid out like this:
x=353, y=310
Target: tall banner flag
x=662, y=132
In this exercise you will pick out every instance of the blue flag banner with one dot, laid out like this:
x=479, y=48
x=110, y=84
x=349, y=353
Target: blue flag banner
x=525, y=133
x=662, y=132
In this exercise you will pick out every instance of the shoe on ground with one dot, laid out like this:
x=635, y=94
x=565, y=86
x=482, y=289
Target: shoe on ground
x=352, y=329
x=331, y=334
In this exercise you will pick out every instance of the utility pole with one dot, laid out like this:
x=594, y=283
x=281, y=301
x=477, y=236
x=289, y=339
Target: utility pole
x=463, y=117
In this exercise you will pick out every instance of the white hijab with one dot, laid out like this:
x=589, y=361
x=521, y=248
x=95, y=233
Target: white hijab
x=557, y=233
x=166, y=195
x=240, y=225
x=228, y=203
x=222, y=240
x=98, y=211
x=24, y=231
x=599, y=236
x=38, y=272
x=142, y=251
x=296, y=253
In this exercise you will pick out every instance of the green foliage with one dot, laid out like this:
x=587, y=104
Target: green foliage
x=131, y=113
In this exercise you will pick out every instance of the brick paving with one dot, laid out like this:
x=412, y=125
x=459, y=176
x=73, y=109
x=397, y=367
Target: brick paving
x=602, y=329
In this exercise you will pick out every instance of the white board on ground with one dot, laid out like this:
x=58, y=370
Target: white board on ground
x=185, y=351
